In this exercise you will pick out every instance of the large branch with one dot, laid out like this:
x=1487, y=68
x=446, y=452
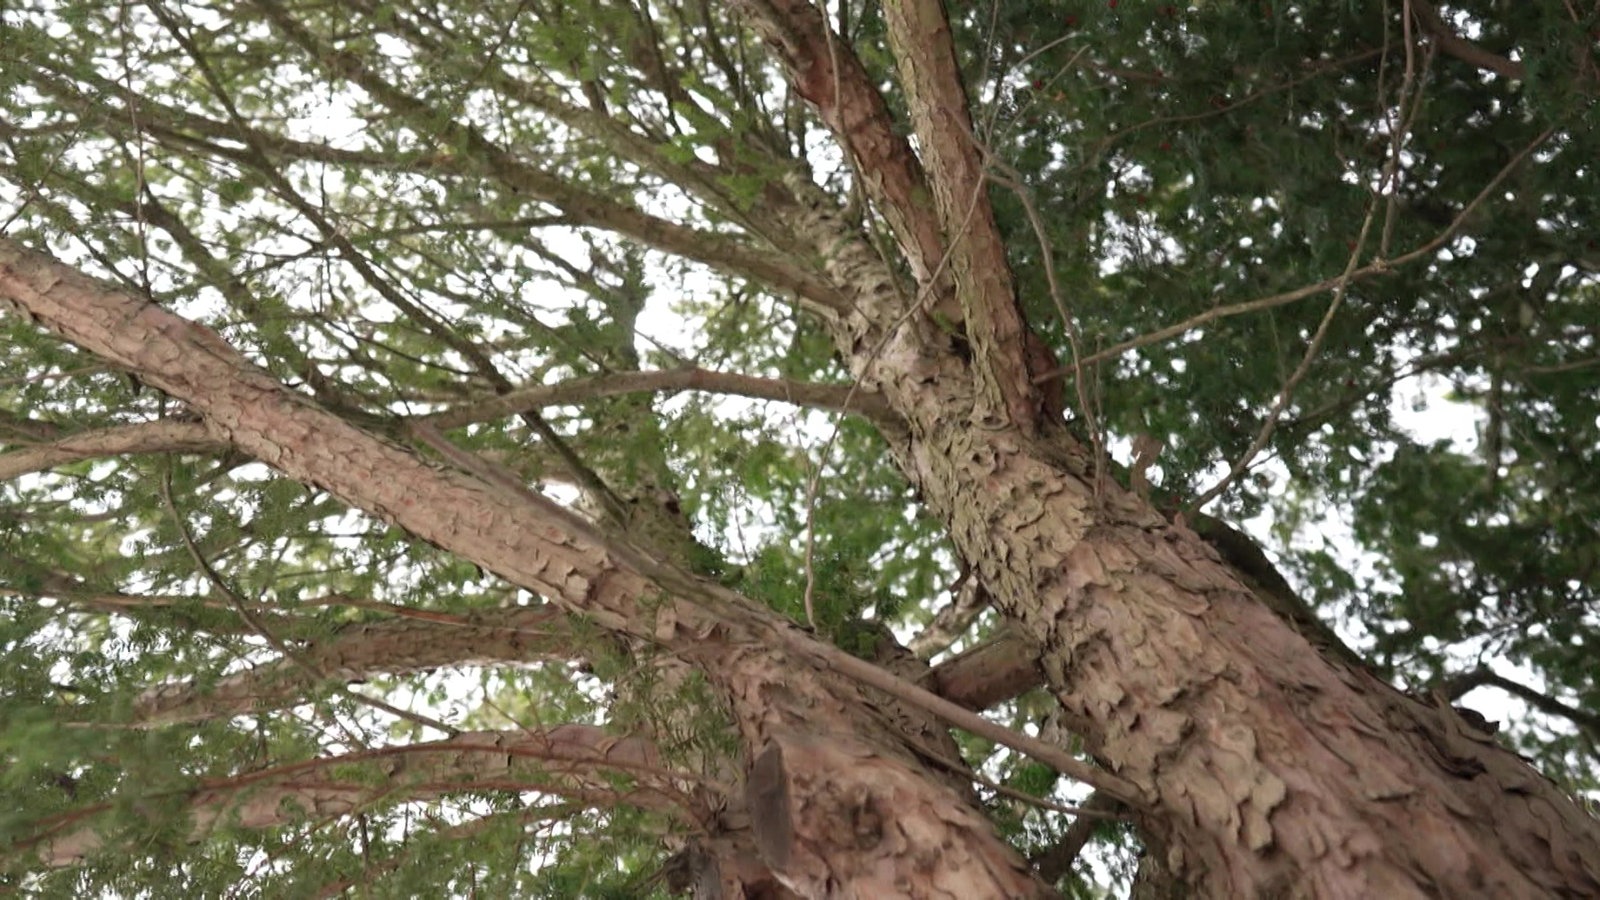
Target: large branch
x=578, y=761
x=941, y=119
x=824, y=70
x=772, y=676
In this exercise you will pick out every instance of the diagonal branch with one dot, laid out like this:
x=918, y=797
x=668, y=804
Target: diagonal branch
x=1461, y=48
x=487, y=516
x=941, y=118
x=1459, y=686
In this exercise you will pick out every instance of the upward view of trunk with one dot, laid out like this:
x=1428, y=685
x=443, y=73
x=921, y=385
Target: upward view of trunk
x=1252, y=763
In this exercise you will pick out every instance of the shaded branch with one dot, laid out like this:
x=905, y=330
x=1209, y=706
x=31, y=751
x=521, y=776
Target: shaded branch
x=1459, y=686
x=163, y=436
x=839, y=398
x=362, y=651
x=1055, y=861
x=1461, y=48
x=999, y=669
x=568, y=760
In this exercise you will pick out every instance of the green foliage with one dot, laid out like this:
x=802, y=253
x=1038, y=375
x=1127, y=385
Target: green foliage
x=404, y=208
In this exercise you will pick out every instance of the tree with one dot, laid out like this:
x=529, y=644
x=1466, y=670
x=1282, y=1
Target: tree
x=356, y=537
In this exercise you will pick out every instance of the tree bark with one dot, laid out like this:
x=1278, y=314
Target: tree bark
x=885, y=824
x=1264, y=767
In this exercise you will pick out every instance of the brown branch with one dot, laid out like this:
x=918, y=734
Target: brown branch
x=1055, y=861
x=567, y=760
x=940, y=114
x=163, y=436
x=826, y=73
x=487, y=516
x=362, y=651
x=838, y=398
x=995, y=671
x=1457, y=687
x=1461, y=48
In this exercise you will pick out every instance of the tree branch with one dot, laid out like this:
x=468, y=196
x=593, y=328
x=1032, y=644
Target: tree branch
x=824, y=70
x=940, y=115
x=163, y=436
x=488, y=516
x=1461, y=48
x=567, y=760
x=358, y=652
x=839, y=398
x=1460, y=685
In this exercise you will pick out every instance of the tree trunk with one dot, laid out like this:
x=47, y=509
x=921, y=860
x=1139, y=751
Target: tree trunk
x=840, y=804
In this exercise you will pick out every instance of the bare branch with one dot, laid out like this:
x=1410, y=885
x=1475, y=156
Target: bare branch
x=1457, y=687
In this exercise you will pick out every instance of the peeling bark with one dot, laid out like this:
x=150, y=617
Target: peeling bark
x=1265, y=768
x=777, y=697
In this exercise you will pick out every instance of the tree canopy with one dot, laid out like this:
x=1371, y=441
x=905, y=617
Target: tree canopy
x=566, y=249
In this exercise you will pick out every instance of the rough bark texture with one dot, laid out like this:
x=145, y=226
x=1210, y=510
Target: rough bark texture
x=1266, y=769
x=778, y=700
x=1258, y=766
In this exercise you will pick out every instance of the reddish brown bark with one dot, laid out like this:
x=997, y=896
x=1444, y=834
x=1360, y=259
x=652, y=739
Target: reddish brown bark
x=782, y=703
x=1265, y=769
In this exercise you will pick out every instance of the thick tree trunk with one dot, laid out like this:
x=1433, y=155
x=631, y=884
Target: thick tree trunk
x=1263, y=768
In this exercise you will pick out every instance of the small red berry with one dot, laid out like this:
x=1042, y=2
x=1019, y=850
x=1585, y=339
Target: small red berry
x=1111, y=3
x=1166, y=145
